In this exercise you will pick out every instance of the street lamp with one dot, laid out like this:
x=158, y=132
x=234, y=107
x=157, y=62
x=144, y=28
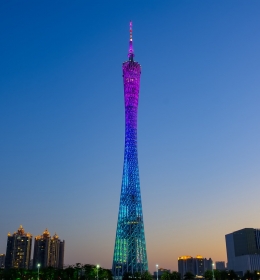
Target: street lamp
x=213, y=271
x=157, y=270
x=97, y=270
x=38, y=265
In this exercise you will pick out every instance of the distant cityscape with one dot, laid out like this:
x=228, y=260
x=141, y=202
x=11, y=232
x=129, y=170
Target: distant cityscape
x=48, y=251
x=242, y=248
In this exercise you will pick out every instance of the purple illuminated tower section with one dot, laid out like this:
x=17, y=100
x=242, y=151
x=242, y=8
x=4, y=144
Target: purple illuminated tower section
x=130, y=247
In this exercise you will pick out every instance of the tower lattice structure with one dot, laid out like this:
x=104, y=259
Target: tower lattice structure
x=130, y=247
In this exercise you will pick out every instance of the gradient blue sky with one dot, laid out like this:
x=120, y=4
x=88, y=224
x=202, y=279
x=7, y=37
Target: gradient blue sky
x=62, y=122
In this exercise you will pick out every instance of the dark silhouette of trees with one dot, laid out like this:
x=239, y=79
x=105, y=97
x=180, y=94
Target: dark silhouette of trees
x=256, y=275
x=175, y=275
x=208, y=274
x=248, y=275
x=188, y=276
x=223, y=275
x=72, y=272
x=171, y=275
x=127, y=276
x=166, y=275
x=231, y=275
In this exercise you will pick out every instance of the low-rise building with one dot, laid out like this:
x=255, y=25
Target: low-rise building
x=220, y=265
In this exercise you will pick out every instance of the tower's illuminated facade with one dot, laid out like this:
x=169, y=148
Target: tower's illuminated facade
x=130, y=247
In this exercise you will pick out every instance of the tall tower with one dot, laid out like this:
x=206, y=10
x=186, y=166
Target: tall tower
x=130, y=247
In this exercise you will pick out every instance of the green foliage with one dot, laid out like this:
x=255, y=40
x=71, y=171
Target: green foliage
x=188, y=276
x=166, y=275
x=231, y=275
x=208, y=274
x=217, y=274
x=171, y=276
x=256, y=275
x=146, y=276
x=248, y=275
x=136, y=276
x=74, y=272
x=127, y=276
x=175, y=275
x=223, y=275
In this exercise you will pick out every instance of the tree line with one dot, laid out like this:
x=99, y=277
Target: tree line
x=90, y=272
x=72, y=272
x=222, y=275
x=231, y=275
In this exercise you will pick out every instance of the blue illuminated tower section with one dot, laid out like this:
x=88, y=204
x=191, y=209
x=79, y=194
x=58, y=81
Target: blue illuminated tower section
x=130, y=247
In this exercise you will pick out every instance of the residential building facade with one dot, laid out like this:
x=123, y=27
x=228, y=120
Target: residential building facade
x=185, y=264
x=199, y=265
x=18, y=249
x=41, y=250
x=196, y=266
x=48, y=251
x=56, y=247
x=208, y=264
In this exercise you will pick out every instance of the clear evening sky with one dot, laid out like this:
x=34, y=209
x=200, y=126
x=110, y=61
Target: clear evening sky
x=62, y=122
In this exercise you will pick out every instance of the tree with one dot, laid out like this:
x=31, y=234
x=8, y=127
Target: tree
x=175, y=275
x=188, y=276
x=109, y=274
x=232, y=275
x=146, y=276
x=166, y=275
x=89, y=271
x=208, y=274
x=248, y=275
x=137, y=275
x=78, y=269
x=105, y=274
x=72, y=272
x=69, y=272
x=223, y=275
x=11, y=273
x=1, y=273
x=127, y=276
x=256, y=275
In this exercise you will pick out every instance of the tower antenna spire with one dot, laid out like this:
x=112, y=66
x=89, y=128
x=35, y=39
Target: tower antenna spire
x=131, y=49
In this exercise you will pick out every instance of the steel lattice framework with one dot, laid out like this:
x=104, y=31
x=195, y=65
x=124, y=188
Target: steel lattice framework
x=130, y=247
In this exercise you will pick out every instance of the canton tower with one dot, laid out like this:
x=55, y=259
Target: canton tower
x=130, y=247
